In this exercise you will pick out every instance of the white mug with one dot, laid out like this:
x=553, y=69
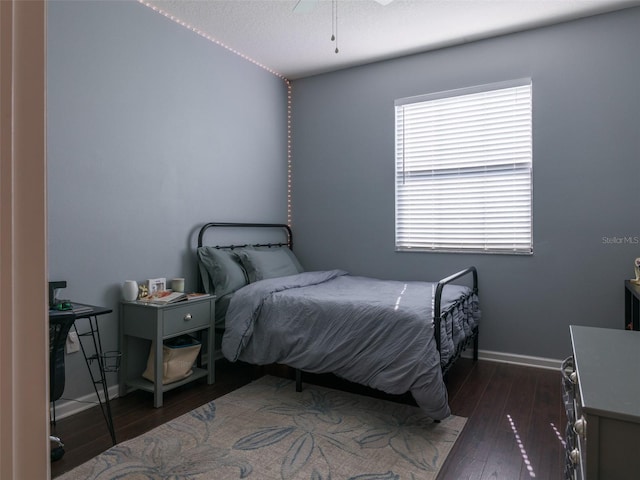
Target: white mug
x=177, y=284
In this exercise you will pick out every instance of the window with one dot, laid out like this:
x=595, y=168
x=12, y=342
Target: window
x=463, y=170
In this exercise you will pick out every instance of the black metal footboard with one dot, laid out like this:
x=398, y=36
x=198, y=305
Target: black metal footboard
x=437, y=319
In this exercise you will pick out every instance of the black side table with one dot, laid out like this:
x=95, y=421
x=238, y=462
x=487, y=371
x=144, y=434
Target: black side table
x=631, y=306
x=106, y=362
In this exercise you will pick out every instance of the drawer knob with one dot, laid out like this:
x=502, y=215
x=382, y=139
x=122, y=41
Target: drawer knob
x=574, y=456
x=573, y=377
x=580, y=427
x=187, y=317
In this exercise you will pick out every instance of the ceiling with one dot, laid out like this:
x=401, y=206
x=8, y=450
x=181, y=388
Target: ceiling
x=295, y=42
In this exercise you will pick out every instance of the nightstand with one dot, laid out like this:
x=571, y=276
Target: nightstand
x=142, y=323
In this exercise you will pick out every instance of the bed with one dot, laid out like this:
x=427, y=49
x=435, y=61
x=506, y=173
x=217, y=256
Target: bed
x=378, y=333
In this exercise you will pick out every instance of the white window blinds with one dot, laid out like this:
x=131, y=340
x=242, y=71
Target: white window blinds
x=463, y=170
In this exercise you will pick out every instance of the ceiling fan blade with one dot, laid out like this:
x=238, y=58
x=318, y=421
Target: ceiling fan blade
x=305, y=6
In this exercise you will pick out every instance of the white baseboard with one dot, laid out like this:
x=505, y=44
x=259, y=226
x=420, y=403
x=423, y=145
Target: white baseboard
x=66, y=407
x=515, y=359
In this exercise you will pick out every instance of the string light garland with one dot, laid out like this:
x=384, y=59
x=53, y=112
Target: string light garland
x=289, y=155
x=264, y=67
x=334, y=23
x=209, y=37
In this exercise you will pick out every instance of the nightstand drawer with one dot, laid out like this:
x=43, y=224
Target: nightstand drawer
x=186, y=317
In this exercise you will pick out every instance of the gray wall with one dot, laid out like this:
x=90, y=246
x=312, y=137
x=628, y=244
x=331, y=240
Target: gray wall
x=586, y=121
x=152, y=131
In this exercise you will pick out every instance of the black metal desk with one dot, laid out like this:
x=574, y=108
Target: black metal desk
x=105, y=361
x=631, y=306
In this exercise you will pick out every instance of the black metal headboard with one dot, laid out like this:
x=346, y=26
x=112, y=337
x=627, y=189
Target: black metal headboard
x=286, y=229
x=209, y=226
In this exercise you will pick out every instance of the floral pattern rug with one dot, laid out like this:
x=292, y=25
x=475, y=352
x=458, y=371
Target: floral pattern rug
x=267, y=431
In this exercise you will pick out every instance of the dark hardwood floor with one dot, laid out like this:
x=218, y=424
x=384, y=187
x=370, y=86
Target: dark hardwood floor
x=514, y=427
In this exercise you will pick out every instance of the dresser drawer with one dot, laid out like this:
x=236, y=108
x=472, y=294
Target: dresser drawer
x=186, y=317
x=569, y=378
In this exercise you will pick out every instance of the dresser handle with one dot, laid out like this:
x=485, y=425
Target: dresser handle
x=574, y=456
x=568, y=368
x=573, y=377
x=580, y=427
x=187, y=317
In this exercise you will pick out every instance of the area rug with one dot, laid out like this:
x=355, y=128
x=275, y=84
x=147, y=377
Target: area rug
x=267, y=431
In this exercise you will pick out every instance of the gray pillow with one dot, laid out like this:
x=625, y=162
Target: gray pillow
x=261, y=263
x=223, y=270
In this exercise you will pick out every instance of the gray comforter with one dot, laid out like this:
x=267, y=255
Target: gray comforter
x=377, y=333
